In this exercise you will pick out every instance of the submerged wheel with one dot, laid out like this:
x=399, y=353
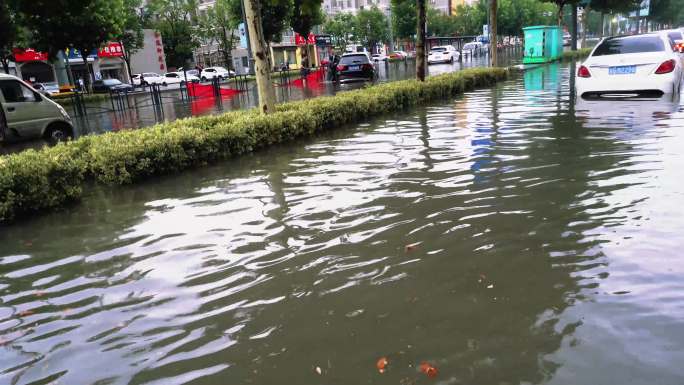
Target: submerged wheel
x=58, y=132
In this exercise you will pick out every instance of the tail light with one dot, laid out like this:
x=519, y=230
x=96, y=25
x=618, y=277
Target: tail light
x=367, y=66
x=667, y=67
x=341, y=68
x=583, y=72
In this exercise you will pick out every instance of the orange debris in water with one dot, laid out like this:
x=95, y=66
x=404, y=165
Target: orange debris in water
x=428, y=369
x=382, y=364
x=25, y=313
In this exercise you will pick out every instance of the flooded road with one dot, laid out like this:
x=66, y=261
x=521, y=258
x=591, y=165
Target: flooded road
x=507, y=236
x=143, y=113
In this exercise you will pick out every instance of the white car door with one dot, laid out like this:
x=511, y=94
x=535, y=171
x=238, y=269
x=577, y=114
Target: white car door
x=22, y=107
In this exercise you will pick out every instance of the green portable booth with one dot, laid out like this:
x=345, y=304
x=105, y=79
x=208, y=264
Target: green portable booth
x=543, y=44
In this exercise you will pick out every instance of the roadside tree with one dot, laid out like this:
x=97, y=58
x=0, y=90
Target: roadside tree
x=176, y=21
x=371, y=28
x=341, y=28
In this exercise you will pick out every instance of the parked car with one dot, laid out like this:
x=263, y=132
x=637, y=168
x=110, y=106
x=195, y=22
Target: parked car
x=114, y=85
x=30, y=114
x=178, y=78
x=379, y=57
x=472, y=49
x=48, y=89
x=355, y=66
x=443, y=54
x=401, y=55
x=192, y=72
x=676, y=39
x=630, y=66
x=216, y=72
x=147, y=78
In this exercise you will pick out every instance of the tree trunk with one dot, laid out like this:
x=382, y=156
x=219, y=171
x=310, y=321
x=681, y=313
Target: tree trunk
x=261, y=56
x=603, y=23
x=573, y=43
x=560, y=15
x=420, y=44
x=493, y=6
x=5, y=65
x=585, y=18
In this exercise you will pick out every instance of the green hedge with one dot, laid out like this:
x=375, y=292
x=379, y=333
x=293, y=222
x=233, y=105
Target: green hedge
x=579, y=54
x=40, y=179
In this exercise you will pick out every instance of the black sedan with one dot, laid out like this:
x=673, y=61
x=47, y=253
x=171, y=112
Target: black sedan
x=113, y=85
x=355, y=66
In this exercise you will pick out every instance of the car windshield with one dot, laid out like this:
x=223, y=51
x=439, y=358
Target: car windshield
x=438, y=49
x=111, y=82
x=631, y=44
x=50, y=86
x=354, y=59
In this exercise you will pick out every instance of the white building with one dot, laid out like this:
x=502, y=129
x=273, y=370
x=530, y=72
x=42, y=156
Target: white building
x=333, y=7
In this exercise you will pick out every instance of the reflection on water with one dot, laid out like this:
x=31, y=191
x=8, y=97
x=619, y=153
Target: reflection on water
x=545, y=252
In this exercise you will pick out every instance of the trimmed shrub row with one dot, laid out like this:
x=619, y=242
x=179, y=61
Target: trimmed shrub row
x=41, y=179
x=579, y=54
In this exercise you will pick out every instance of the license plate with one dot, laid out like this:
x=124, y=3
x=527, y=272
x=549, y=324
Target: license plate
x=622, y=70
x=354, y=68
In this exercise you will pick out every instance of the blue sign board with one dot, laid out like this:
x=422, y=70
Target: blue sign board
x=76, y=54
x=243, y=35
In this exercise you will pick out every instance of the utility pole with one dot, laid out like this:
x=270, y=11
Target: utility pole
x=492, y=32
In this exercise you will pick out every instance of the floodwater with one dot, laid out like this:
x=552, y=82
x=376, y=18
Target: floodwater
x=508, y=236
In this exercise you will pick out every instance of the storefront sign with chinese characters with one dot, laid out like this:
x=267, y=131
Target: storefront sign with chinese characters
x=29, y=54
x=111, y=50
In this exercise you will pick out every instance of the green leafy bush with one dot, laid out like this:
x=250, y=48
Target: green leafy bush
x=37, y=180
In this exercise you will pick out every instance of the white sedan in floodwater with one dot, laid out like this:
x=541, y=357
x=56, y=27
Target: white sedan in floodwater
x=624, y=66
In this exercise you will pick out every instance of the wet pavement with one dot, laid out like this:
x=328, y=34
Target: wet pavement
x=511, y=235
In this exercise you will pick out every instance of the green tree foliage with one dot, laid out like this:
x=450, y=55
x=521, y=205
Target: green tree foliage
x=176, y=20
x=404, y=19
x=468, y=20
x=341, y=28
x=11, y=33
x=84, y=25
x=219, y=24
x=669, y=12
x=275, y=17
x=131, y=36
x=305, y=15
x=371, y=27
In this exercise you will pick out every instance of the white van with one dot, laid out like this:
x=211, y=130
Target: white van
x=28, y=114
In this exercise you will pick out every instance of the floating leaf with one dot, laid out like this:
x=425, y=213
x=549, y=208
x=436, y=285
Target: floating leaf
x=382, y=364
x=25, y=313
x=318, y=370
x=428, y=369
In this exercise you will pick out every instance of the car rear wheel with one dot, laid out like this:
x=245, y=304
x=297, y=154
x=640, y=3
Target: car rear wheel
x=204, y=78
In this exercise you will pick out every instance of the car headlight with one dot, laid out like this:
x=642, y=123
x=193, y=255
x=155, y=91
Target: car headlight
x=64, y=113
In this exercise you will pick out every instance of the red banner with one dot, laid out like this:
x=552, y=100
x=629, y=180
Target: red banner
x=111, y=50
x=299, y=40
x=29, y=54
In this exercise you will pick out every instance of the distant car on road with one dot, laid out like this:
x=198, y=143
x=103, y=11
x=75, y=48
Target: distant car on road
x=355, y=66
x=115, y=85
x=216, y=72
x=379, y=57
x=48, y=89
x=472, y=49
x=401, y=55
x=147, y=78
x=640, y=65
x=171, y=78
x=443, y=54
